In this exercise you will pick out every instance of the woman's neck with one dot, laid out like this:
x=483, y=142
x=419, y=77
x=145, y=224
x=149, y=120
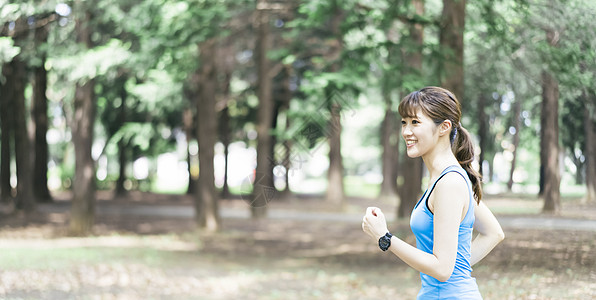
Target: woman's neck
x=439, y=158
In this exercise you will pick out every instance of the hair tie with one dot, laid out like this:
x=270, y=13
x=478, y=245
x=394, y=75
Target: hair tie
x=454, y=134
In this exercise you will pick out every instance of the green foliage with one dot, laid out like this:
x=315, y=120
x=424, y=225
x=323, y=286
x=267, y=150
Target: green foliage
x=94, y=63
x=145, y=54
x=7, y=50
x=507, y=51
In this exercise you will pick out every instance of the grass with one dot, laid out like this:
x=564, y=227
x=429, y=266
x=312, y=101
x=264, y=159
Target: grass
x=65, y=258
x=65, y=253
x=278, y=259
x=231, y=265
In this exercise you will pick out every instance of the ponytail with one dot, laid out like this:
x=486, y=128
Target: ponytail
x=463, y=148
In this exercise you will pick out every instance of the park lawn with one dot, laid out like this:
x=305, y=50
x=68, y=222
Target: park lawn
x=268, y=259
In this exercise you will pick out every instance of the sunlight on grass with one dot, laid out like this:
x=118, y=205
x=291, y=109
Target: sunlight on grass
x=65, y=258
x=168, y=189
x=63, y=253
x=534, y=284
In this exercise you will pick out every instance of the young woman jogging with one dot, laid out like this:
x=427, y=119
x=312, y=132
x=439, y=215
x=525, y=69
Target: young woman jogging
x=450, y=209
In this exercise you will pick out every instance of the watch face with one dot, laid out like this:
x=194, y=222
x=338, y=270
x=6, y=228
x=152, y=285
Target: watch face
x=384, y=243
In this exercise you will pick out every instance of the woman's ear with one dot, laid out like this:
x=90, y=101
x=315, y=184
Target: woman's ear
x=445, y=127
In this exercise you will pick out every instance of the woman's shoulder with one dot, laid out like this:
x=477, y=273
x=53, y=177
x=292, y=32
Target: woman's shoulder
x=451, y=178
x=450, y=193
x=450, y=185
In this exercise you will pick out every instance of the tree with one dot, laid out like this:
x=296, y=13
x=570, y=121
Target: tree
x=335, y=189
x=225, y=65
x=120, y=85
x=390, y=136
x=40, y=113
x=550, y=136
x=22, y=149
x=82, y=216
x=390, y=155
x=13, y=90
x=263, y=180
x=517, y=107
x=7, y=127
x=411, y=188
x=590, y=145
x=190, y=128
x=206, y=203
x=451, y=40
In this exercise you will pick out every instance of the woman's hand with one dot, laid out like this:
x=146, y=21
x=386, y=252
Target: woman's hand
x=374, y=223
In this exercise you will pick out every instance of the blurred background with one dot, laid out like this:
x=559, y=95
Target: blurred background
x=264, y=101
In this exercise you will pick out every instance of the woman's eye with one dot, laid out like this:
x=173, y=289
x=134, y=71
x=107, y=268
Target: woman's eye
x=403, y=122
x=415, y=122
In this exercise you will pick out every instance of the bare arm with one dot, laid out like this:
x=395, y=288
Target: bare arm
x=421, y=261
x=448, y=210
x=489, y=233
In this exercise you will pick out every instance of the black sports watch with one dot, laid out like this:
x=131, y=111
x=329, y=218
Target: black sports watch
x=385, y=241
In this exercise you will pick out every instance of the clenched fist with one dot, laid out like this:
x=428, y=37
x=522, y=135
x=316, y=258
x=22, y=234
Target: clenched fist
x=374, y=223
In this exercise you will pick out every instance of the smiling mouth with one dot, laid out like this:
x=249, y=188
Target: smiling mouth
x=410, y=143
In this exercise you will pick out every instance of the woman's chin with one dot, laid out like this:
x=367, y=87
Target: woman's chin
x=413, y=154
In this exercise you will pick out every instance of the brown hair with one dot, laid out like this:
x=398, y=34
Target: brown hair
x=440, y=104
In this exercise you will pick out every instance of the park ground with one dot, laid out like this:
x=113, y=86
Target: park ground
x=145, y=246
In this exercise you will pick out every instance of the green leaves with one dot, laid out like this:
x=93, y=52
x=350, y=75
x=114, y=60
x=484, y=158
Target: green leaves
x=98, y=61
x=158, y=91
x=8, y=50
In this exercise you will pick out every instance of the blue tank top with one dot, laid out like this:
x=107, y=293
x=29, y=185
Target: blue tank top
x=461, y=284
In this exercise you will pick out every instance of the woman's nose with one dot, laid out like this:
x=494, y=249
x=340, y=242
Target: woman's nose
x=405, y=131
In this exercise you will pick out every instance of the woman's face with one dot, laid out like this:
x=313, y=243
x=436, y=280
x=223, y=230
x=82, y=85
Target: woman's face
x=420, y=134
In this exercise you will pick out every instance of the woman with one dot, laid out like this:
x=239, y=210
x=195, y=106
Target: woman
x=445, y=216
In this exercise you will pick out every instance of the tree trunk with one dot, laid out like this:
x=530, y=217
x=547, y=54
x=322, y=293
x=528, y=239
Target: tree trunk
x=83, y=203
x=390, y=130
x=543, y=152
x=286, y=193
x=82, y=216
x=491, y=168
x=451, y=40
x=225, y=139
x=412, y=167
x=550, y=128
x=206, y=203
x=188, y=121
x=16, y=78
x=40, y=117
x=274, y=161
x=286, y=97
x=24, y=200
x=390, y=155
x=335, y=189
x=482, y=131
x=120, y=188
x=122, y=145
x=517, y=126
x=410, y=191
x=225, y=66
x=552, y=177
x=579, y=173
x=263, y=189
x=590, y=148
x=7, y=127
